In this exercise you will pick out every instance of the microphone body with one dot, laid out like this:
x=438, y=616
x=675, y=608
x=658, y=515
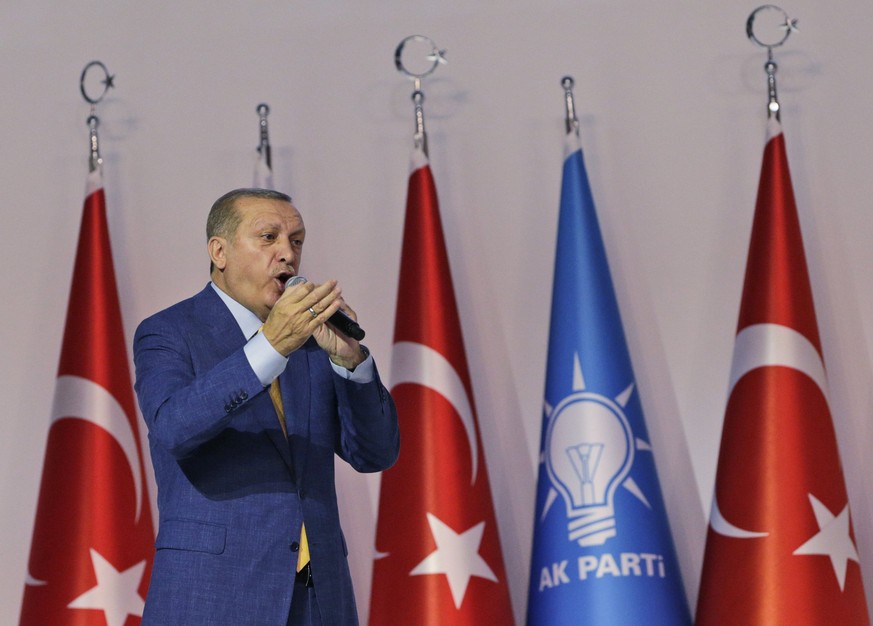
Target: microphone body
x=338, y=320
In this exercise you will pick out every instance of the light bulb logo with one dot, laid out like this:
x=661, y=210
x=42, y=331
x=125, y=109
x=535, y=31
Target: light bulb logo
x=589, y=451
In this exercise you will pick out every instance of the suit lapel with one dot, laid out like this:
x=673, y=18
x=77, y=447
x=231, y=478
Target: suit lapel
x=223, y=329
x=228, y=337
x=295, y=382
x=269, y=419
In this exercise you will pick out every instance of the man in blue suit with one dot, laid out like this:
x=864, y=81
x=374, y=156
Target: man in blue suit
x=243, y=490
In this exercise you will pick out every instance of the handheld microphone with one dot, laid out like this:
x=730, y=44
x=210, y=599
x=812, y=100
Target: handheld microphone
x=338, y=320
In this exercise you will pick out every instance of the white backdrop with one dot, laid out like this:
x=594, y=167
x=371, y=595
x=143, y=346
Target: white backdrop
x=671, y=98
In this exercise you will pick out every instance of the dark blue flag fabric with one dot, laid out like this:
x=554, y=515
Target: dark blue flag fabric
x=602, y=550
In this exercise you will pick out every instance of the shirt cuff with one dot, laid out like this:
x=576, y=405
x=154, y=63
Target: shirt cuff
x=266, y=362
x=365, y=372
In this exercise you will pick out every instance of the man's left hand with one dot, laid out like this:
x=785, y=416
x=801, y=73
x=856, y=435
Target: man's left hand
x=342, y=349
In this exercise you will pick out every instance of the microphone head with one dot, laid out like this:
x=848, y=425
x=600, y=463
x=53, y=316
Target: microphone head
x=294, y=280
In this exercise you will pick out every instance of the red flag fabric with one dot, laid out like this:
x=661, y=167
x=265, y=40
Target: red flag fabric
x=92, y=547
x=438, y=555
x=780, y=547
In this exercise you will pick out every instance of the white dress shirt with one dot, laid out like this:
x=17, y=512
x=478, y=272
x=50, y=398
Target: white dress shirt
x=266, y=362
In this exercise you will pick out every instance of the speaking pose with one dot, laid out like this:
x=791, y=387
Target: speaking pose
x=248, y=391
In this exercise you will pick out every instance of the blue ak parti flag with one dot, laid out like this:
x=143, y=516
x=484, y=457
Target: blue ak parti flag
x=602, y=549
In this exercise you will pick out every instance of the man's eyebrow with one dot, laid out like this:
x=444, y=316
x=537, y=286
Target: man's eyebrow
x=270, y=224
x=261, y=223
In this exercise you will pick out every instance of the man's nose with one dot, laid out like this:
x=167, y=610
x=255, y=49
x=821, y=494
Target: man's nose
x=286, y=251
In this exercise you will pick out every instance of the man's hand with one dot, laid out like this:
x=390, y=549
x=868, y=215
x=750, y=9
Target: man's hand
x=301, y=312
x=342, y=349
x=298, y=313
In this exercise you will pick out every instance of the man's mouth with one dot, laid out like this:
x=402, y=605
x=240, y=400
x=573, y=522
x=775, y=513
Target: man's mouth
x=283, y=278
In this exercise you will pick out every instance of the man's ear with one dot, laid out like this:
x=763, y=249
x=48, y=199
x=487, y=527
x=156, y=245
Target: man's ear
x=217, y=248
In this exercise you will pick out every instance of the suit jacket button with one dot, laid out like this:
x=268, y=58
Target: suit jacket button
x=295, y=546
x=243, y=396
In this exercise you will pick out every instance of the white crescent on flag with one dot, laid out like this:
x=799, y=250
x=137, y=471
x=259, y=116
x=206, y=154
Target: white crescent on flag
x=80, y=398
x=763, y=345
x=768, y=345
x=421, y=365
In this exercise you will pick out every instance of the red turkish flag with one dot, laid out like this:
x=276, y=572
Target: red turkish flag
x=92, y=548
x=780, y=547
x=438, y=551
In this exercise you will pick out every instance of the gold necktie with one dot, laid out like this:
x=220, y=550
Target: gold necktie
x=276, y=397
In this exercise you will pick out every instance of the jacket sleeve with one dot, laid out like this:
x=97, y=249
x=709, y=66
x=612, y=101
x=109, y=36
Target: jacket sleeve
x=184, y=407
x=369, y=438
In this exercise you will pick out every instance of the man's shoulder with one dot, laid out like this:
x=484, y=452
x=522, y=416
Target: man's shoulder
x=189, y=308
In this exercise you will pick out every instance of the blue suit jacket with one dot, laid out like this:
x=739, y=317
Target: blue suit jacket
x=232, y=491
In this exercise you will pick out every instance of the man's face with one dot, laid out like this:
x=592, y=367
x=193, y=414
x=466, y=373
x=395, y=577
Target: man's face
x=253, y=265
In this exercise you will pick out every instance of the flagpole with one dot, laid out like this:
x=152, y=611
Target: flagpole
x=263, y=176
x=264, y=148
x=95, y=160
x=436, y=57
x=570, y=119
x=770, y=66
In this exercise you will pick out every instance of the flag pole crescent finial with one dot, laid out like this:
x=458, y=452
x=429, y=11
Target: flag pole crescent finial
x=434, y=58
x=787, y=25
x=94, y=159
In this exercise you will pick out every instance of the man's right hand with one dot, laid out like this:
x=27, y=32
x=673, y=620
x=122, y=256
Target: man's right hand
x=299, y=312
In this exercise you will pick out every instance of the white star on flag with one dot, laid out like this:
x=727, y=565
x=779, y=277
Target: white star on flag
x=116, y=592
x=456, y=556
x=832, y=539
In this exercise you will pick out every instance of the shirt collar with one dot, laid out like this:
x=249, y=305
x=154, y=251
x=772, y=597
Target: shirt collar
x=248, y=322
